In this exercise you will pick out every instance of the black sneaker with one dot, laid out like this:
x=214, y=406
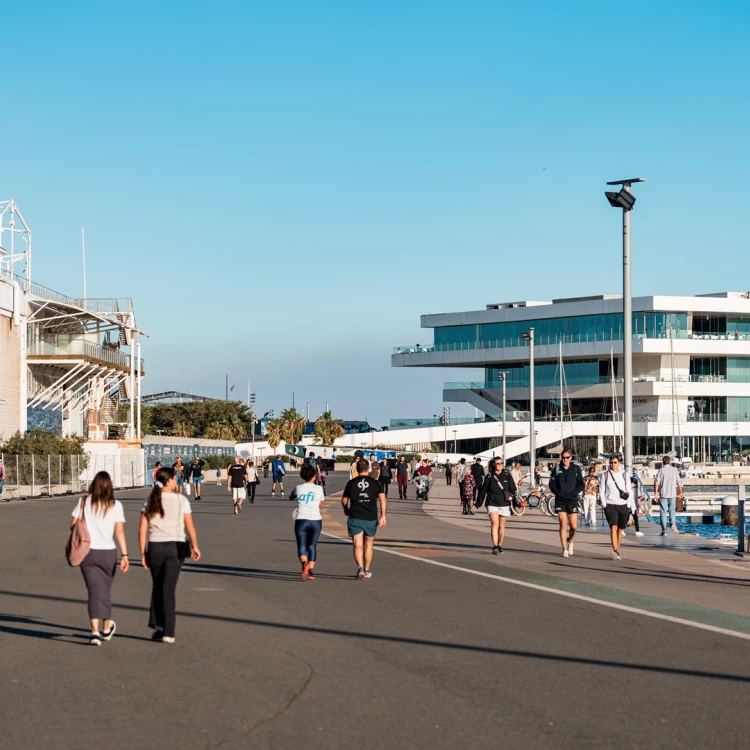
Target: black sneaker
x=96, y=639
x=158, y=634
x=107, y=634
x=496, y=550
x=500, y=551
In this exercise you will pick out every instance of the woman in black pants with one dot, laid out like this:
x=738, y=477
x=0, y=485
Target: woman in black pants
x=252, y=480
x=386, y=475
x=165, y=518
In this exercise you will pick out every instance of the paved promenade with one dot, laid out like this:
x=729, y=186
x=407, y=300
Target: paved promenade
x=445, y=646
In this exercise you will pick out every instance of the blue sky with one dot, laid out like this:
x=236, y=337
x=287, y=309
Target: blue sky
x=284, y=187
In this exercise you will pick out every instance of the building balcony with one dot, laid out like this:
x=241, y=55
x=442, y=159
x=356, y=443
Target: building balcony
x=51, y=352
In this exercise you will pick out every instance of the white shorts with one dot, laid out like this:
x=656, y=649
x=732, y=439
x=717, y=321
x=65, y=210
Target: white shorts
x=503, y=511
x=239, y=493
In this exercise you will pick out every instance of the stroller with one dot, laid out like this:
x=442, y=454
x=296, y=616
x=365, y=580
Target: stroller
x=422, y=484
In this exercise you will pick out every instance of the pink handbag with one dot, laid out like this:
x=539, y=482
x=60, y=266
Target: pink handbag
x=79, y=542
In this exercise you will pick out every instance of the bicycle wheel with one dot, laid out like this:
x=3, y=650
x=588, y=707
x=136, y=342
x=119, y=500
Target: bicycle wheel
x=518, y=508
x=549, y=505
x=533, y=499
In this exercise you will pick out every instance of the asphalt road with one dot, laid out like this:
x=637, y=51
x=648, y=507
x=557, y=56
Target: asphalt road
x=420, y=656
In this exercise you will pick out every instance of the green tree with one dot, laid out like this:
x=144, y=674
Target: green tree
x=194, y=418
x=327, y=429
x=43, y=443
x=292, y=426
x=274, y=432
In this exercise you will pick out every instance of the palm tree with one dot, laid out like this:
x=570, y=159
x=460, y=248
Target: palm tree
x=215, y=431
x=274, y=433
x=292, y=425
x=327, y=429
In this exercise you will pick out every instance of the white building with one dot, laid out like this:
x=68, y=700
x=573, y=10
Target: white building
x=691, y=373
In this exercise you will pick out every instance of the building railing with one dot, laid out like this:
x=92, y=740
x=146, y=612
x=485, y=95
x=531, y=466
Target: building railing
x=81, y=348
x=410, y=424
x=581, y=338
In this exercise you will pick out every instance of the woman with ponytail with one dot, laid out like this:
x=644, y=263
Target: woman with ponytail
x=165, y=518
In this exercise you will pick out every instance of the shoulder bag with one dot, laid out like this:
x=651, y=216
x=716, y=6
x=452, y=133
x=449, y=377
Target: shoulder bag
x=79, y=541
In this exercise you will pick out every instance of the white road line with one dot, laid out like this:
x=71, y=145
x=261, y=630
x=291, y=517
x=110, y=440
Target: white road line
x=568, y=594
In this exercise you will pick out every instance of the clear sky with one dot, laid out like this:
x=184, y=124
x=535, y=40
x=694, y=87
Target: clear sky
x=284, y=187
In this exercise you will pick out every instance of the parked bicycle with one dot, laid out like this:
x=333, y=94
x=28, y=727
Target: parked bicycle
x=537, y=498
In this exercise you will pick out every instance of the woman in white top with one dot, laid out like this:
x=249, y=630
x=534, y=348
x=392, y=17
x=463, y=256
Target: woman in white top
x=105, y=520
x=252, y=480
x=165, y=517
x=308, y=523
x=617, y=502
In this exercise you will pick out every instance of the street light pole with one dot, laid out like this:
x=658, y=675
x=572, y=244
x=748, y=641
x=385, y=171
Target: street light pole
x=532, y=435
x=625, y=200
x=503, y=375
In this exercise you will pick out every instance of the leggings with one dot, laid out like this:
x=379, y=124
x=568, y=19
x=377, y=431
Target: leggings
x=385, y=484
x=98, y=568
x=307, y=533
x=251, y=491
x=635, y=520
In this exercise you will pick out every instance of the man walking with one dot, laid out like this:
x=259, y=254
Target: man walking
x=278, y=472
x=448, y=472
x=566, y=484
x=360, y=503
x=196, y=471
x=617, y=502
x=667, y=488
x=374, y=467
x=402, y=477
x=236, y=483
x=477, y=471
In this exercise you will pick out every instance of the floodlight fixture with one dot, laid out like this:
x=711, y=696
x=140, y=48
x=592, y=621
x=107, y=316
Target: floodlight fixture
x=623, y=199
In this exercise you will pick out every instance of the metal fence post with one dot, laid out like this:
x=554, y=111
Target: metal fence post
x=18, y=476
x=59, y=473
x=741, y=517
x=49, y=475
x=33, y=476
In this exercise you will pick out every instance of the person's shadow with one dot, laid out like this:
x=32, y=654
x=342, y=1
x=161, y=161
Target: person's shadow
x=12, y=624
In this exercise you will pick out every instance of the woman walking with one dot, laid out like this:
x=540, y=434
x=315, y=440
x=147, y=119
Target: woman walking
x=386, y=475
x=252, y=480
x=448, y=473
x=590, y=494
x=105, y=520
x=498, y=490
x=165, y=517
x=308, y=523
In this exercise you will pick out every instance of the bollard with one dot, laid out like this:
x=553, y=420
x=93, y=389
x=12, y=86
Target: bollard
x=729, y=510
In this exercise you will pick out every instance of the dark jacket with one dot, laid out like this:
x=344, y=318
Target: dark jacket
x=477, y=471
x=566, y=484
x=493, y=490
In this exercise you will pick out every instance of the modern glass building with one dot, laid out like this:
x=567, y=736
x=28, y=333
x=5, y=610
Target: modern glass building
x=691, y=368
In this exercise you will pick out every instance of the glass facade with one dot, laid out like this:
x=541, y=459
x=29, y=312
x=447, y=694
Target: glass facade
x=577, y=372
x=554, y=330
x=720, y=369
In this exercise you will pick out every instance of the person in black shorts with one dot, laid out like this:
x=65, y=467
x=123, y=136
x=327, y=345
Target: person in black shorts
x=236, y=483
x=618, y=502
x=360, y=503
x=566, y=484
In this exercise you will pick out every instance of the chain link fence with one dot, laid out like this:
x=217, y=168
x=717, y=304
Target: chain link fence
x=34, y=476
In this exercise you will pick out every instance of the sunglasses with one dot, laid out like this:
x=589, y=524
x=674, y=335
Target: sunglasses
x=566, y=458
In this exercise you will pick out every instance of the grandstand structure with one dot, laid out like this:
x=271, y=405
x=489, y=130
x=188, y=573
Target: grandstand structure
x=67, y=364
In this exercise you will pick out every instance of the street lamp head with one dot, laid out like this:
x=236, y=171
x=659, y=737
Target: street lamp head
x=623, y=199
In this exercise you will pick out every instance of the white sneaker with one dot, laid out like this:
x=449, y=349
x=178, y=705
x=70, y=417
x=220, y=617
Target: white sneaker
x=273, y=494
x=570, y=549
x=674, y=528
x=566, y=553
x=616, y=555
x=623, y=532
x=639, y=533
x=167, y=639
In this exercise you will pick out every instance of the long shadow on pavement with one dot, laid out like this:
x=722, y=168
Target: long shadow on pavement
x=418, y=642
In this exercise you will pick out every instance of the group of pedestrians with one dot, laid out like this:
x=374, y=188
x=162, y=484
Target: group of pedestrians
x=165, y=520
x=186, y=476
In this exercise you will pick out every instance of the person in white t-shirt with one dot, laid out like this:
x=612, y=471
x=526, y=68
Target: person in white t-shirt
x=308, y=523
x=105, y=520
x=165, y=518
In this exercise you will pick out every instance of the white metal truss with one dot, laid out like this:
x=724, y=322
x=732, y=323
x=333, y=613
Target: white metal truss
x=15, y=241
